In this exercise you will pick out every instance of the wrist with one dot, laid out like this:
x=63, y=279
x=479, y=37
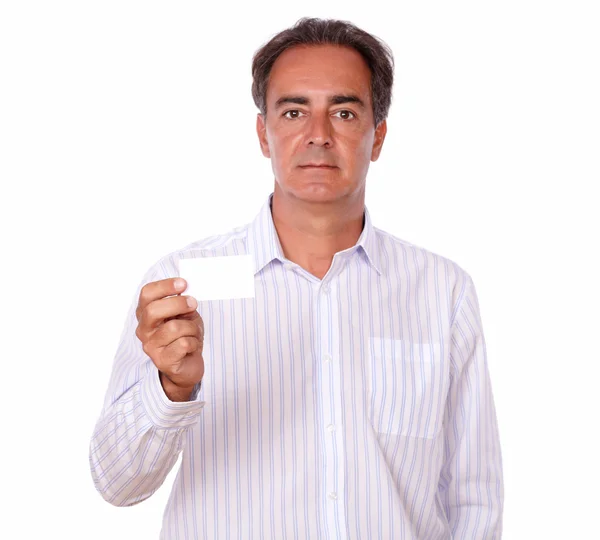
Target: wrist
x=174, y=392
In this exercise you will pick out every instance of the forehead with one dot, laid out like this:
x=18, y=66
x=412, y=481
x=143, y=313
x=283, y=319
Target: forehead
x=319, y=69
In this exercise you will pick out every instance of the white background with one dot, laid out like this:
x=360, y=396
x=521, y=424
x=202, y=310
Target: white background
x=127, y=130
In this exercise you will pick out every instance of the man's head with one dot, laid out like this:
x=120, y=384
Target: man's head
x=323, y=88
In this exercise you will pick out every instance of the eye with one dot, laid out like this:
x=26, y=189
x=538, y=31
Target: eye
x=345, y=111
x=292, y=111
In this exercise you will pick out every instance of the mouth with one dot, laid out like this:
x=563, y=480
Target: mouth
x=324, y=167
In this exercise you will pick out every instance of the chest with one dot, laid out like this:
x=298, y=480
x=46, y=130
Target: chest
x=370, y=340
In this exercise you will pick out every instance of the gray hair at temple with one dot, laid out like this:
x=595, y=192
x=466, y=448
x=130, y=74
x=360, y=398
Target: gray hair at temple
x=313, y=31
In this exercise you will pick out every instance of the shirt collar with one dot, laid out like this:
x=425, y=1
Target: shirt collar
x=264, y=245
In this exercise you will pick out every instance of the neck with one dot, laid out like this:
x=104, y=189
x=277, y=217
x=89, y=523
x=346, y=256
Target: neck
x=312, y=233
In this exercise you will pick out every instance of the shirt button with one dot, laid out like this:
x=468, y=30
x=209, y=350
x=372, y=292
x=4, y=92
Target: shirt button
x=325, y=289
x=330, y=428
x=333, y=495
x=327, y=358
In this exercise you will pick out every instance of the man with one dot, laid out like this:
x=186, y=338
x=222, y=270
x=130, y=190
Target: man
x=350, y=398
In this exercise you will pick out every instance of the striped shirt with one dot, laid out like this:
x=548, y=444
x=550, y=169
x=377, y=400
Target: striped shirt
x=357, y=406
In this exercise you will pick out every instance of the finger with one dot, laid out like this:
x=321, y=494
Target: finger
x=159, y=311
x=158, y=289
x=175, y=329
x=194, y=317
x=190, y=316
x=174, y=354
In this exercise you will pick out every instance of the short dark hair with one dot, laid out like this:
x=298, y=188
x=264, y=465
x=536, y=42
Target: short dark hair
x=313, y=31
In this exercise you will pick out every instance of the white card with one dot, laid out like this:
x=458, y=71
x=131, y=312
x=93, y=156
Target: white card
x=218, y=278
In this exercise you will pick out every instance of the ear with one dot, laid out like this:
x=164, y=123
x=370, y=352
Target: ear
x=261, y=131
x=380, y=132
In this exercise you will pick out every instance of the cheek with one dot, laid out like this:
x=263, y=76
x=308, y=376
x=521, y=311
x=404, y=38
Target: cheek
x=282, y=147
x=365, y=150
x=358, y=150
x=366, y=144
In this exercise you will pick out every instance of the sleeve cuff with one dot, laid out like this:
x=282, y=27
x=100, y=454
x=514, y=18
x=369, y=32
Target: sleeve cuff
x=163, y=412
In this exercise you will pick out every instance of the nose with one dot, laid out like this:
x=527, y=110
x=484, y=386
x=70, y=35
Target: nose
x=318, y=130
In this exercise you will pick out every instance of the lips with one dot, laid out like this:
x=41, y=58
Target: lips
x=318, y=166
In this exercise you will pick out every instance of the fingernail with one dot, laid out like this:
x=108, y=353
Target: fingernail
x=179, y=284
x=191, y=301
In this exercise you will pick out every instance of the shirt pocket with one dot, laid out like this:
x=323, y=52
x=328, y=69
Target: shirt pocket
x=406, y=387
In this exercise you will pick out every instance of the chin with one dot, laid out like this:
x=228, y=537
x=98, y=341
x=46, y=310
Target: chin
x=318, y=188
x=317, y=197
x=318, y=192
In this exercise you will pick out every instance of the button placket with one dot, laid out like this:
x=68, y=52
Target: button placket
x=331, y=388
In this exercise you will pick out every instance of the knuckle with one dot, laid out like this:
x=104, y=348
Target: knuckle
x=176, y=369
x=149, y=311
x=172, y=326
x=142, y=300
x=191, y=344
x=142, y=318
x=183, y=343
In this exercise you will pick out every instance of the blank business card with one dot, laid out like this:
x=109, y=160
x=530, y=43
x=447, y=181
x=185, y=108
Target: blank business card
x=218, y=278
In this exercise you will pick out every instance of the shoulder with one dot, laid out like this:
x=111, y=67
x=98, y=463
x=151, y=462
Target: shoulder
x=415, y=259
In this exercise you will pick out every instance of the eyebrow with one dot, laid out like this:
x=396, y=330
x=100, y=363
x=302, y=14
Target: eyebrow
x=333, y=100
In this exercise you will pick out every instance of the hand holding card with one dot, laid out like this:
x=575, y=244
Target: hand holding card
x=172, y=335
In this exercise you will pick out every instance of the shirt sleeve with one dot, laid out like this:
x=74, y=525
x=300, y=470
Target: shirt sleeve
x=138, y=436
x=471, y=481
